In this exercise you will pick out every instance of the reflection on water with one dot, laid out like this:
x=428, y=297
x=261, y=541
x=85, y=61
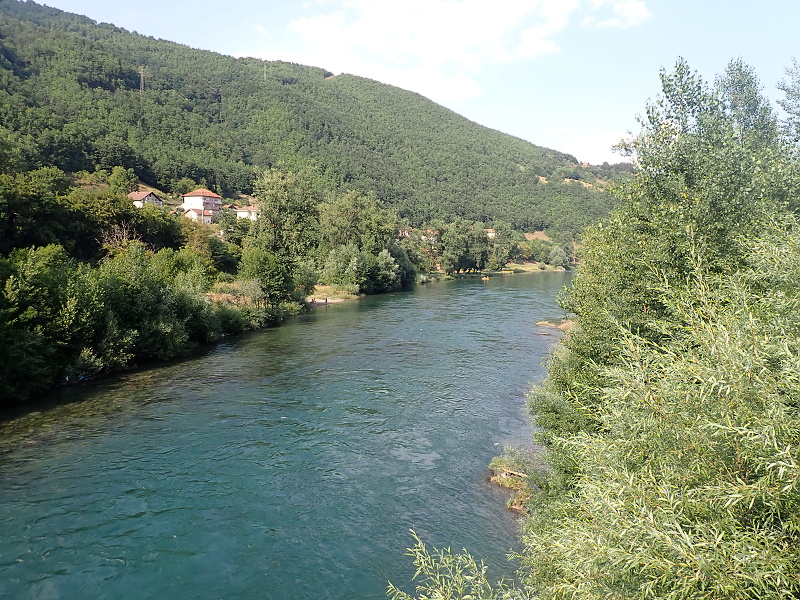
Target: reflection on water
x=289, y=463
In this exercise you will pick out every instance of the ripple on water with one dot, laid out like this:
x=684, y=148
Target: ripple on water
x=289, y=463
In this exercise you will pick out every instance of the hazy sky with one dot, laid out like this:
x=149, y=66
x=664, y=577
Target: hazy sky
x=567, y=74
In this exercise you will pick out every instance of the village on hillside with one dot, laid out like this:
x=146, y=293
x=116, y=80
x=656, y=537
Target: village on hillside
x=200, y=205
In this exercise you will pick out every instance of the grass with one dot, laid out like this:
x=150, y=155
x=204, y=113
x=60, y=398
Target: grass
x=527, y=267
x=329, y=293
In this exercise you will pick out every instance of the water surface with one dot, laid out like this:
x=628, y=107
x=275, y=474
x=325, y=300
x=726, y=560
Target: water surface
x=289, y=463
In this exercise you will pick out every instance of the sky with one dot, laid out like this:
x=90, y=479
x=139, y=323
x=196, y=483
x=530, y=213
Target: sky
x=572, y=75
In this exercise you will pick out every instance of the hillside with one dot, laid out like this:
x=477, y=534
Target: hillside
x=84, y=96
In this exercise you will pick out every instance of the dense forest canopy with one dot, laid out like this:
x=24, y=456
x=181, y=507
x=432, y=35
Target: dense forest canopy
x=85, y=96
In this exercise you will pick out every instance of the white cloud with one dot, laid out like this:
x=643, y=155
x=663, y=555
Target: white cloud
x=439, y=31
x=261, y=29
x=626, y=14
x=439, y=47
x=594, y=148
x=435, y=47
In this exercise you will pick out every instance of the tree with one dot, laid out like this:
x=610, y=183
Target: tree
x=122, y=180
x=791, y=103
x=234, y=229
x=653, y=404
x=265, y=268
x=35, y=283
x=463, y=247
x=558, y=258
x=359, y=219
x=706, y=176
x=287, y=216
x=15, y=152
x=184, y=185
x=502, y=247
x=681, y=494
x=32, y=210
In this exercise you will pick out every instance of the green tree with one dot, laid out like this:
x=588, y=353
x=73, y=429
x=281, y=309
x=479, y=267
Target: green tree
x=265, y=268
x=463, y=247
x=16, y=152
x=791, y=102
x=32, y=211
x=122, y=180
x=184, y=185
x=234, y=229
x=287, y=218
x=502, y=247
x=652, y=404
x=358, y=219
x=558, y=258
x=706, y=176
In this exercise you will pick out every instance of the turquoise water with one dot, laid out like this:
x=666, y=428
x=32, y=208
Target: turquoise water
x=289, y=463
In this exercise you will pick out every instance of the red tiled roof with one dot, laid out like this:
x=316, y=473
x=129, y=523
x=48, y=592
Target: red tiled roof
x=202, y=192
x=139, y=195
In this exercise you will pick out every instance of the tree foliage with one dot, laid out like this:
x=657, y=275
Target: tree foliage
x=668, y=412
x=463, y=246
x=287, y=216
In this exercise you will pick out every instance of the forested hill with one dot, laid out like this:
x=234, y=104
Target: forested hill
x=85, y=96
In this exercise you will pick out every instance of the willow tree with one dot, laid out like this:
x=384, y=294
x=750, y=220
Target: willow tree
x=709, y=173
x=670, y=412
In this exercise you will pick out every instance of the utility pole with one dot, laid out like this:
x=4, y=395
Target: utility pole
x=141, y=95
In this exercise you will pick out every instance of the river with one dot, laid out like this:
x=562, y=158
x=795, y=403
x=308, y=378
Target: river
x=288, y=463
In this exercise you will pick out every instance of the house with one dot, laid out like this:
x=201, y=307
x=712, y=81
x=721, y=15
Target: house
x=200, y=215
x=142, y=198
x=246, y=212
x=201, y=200
x=490, y=233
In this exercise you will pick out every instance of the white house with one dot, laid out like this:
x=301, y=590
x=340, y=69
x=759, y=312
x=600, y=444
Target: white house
x=246, y=212
x=142, y=198
x=201, y=200
x=200, y=215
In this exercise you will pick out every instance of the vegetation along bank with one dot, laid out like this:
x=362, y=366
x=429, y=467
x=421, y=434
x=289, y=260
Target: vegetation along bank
x=154, y=196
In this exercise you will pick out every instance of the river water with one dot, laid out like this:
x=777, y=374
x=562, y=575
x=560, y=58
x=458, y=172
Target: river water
x=289, y=463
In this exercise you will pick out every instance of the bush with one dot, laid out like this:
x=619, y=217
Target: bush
x=444, y=575
x=231, y=320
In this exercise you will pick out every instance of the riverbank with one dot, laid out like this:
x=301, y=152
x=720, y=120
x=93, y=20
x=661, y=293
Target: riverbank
x=520, y=267
x=328, y=294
